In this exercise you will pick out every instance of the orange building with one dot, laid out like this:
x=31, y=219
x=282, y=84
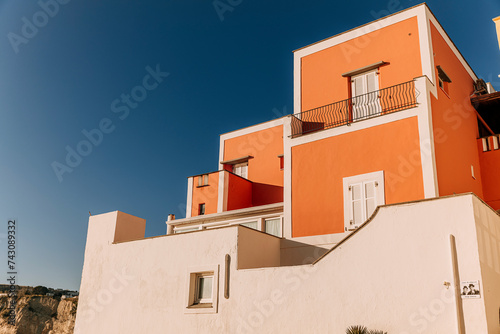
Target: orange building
x=339, y=214
x=383, y=115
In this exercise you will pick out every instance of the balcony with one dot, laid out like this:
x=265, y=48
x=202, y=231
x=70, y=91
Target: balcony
x=487, y=105
x=366, y=106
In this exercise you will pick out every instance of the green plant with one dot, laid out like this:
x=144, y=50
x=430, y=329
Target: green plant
x=357, y=330
x=40, y=290
x=362, y=330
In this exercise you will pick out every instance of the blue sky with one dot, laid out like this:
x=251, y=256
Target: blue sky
x=224, y=72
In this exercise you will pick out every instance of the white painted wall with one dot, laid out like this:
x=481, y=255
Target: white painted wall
x=488, y=236
x=388, y=275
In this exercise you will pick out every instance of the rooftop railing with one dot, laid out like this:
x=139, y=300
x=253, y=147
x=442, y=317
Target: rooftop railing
x=361, y=107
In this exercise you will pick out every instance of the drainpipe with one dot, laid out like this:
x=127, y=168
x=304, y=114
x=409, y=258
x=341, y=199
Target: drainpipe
x=456, y=279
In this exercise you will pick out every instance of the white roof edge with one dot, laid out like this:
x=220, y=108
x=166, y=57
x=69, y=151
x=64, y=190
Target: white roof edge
x=226, y=215
x=254, y=128
x=364, y=26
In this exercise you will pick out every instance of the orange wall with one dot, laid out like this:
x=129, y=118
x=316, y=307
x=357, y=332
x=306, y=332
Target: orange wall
x=321, y=74
x=454, y=125
x=206, y=194
x=264, y=146
x=239, y=193
x=318, y=169
x=490, y=161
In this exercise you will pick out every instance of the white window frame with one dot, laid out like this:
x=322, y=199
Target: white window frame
x=280, y=225
x=378, y=178
x=187, y=229
x=193, y=303
x=241, y=169
x=260, y=223
x=256, y=221
x=197, y=299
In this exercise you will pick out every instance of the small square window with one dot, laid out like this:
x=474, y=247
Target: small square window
x=443, y=80
x=202, y=292
x=201, y=209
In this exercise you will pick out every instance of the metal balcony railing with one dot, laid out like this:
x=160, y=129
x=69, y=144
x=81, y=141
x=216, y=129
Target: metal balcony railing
x=377, y=103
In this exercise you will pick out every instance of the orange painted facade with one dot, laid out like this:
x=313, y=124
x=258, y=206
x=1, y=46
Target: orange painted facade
x=264, y=183
x=322, y=82
x=264, y=146
x=205, y=194
x=317, y=200
x=416, y=143
x=455, y=125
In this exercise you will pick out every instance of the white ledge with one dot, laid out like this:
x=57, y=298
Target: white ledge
x=227, y=215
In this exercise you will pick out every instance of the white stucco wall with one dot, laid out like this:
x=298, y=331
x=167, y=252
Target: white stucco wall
x=488, y=236
x=388, y=275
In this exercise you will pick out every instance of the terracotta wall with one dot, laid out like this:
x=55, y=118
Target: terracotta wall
x=318, y=169
x=205, y=194
x=321, y=73
x=264, y=146
x=455, y=125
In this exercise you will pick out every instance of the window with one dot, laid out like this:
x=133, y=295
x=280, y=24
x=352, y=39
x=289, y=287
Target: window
x=444, y=86
x=184, y=230
x=282, y=161
x=203, y=180
x=201, y=209
x=273, y=226
x=362, y=201
x=202, y=292
x=241, y=170
x=443, y=80
x=253, y=225
x=365, y=95
x=203, y=289
x=362, y=194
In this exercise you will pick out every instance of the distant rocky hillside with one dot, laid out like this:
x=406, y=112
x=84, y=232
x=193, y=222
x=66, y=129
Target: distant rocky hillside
x=39, y=315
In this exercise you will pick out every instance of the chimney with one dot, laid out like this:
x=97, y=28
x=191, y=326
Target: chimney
x=497, y=22
x=170, y=228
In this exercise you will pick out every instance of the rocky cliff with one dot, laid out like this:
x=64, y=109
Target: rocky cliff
x=39, y=315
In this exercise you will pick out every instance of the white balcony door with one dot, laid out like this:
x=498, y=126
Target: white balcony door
x=365, y=95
